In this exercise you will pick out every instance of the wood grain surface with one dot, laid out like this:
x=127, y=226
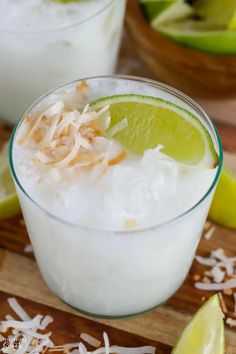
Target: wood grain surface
x=19, y=274
x=66, y=327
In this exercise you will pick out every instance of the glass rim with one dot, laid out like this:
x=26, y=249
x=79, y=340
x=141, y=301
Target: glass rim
x=58, y=29
x=154, y=83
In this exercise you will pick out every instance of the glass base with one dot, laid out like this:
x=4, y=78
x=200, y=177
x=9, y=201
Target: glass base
x=120, y=317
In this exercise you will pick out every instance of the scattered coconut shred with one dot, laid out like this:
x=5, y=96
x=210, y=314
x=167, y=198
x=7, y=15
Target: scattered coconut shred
x=221, y=277
x=69, y=141
x=25, y=336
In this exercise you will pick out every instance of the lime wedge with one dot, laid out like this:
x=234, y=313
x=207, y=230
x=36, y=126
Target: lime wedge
x=9, y=205
x=153, y=8
x=205, y=332
x=201, y=35
x=217, y=11
x=161, y=11
x=153, y=121
x=232, y=23
x=223, y=207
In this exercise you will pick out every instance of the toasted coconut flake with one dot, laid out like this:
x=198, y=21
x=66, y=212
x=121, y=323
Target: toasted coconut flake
x=34, y=128
x=90, y=340
x=206, y=261
x=228, y=292
x=28, y=248
x=106, y=343
x=82, y=88
x=208, y=235
x=117, y=159
x=61, y=137
x=118, y=127
x=217, y=274
x=54, y=109
x=219, y=254
x=32, y=342
x=129, y=224
x=104, y=118
x=222, y=302
x=196, y=277
x=207, y=225
x=231, y=322
x=229, y=267
x=82, y=348
x=215, y=286
x=45, y=322
x=31, y=324
x=18, y=309
x=115, y=349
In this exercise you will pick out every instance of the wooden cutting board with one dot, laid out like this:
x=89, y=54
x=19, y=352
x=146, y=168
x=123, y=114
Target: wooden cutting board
x=19, y=273
x=66, y=327
x=17, y=277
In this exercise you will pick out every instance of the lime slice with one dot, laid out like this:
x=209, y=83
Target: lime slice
x=153, y=121
x=223, y=208
x=201, y=35
x=232, y=23
x=217, y=11
x=205, y=332
x=161, y=11
x=9, y=205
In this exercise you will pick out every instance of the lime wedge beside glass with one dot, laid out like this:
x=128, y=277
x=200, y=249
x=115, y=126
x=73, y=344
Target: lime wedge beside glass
x=9, y=204
x=205, y=332
x=223, y=207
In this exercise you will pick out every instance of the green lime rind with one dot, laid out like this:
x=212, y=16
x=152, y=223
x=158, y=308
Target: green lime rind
x=153, y=9
x=154, y=121
x=212, y=10
x=201, y=35
x=205, y=332
x=66, y=1
x=9, y=207
x=162, y=11
x=9, y=204
x=223, y=207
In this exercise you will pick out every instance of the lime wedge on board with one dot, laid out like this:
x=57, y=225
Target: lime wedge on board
x=9, y=204
x=205, y=332
x=223, y=207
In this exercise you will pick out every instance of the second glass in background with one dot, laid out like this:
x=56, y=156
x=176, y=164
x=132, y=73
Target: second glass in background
x=34, y=62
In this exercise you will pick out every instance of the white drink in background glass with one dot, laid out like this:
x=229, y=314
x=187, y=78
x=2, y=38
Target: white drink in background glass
x=45, y=44
x=84, y=252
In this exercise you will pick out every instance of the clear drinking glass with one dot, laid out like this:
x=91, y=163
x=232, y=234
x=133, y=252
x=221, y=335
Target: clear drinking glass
x=33, y=62
x=115, y=274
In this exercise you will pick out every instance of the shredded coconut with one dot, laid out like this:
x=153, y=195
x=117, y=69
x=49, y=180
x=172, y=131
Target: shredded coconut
x=221, y=277
x=65, y=139
x=90, y=340
x=208, y=235
x=25, y=338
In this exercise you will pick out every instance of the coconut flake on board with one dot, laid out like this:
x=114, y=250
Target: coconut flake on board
x=25, y=337
x=221, y=277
